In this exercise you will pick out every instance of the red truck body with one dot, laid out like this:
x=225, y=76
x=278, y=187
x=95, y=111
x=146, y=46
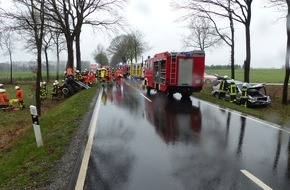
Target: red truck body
x=175, y=72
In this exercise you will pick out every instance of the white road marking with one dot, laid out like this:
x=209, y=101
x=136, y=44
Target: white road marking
x=145, y=97
x=256, y=180
x=86, y=157
x=269, y=124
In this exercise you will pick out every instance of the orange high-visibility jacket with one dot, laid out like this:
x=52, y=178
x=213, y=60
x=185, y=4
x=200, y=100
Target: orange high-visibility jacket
x=3, y=99
x=19, y=94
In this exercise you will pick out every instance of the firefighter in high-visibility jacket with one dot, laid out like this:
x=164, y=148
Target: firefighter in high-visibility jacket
x=244, y=96
x=223, y=87
x=20, y=96
x=233, y=91
x=43, y=91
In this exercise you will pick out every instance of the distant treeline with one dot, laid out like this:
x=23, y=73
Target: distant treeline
x=226, y=67
x=29, y=66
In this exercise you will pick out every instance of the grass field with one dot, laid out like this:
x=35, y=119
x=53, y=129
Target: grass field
x=25, y=76
x=256, y=75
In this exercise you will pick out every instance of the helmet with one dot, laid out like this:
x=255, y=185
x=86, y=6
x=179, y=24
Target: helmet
x=1, y=90
x=244, y=84
x=77, y=71
x=1, y=85
x=232, y=81
x=16, y=87
x=44, y=83
x=226, y=76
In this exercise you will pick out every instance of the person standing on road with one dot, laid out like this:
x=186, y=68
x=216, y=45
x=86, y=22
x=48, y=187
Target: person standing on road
x=233, y=91
x=223, y=87
x=20, y=96
x=244, y=97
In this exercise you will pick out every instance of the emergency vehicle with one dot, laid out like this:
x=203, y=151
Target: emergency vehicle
x=175, y=72
x=136, y=70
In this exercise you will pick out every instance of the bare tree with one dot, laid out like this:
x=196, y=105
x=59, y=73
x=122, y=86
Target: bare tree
x=71, y=15
x=281, y=4
x=47, y=43
x=136, y=45
x=8, y=45
x=28, y=17
x=128, y=47
x=100, y=55
x=235, y=10
x=202, y=34
x=59, y=43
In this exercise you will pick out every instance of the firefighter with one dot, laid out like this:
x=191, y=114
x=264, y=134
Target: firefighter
x=78, y=76
x=55, y=87
x=86, y=77
x=223, y=87
x=233, y=91
x=244, y=97
x=43, y=91
x=4, y=101
x=20, y=96
x=92, y=77
x=70, y=72
x=118, y=77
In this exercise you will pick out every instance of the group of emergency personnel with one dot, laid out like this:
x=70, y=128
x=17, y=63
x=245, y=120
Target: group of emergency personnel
x=108, y=75
x=231, y=87
x=6, y=103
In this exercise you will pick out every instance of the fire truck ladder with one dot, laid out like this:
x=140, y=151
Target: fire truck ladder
x=173, y=71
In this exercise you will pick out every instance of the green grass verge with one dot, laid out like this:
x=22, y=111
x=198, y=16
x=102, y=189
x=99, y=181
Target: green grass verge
x=23, y=163
x=275, y=113
x=256, y=75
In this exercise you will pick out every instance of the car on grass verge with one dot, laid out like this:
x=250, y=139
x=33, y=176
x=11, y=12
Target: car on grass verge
x=257, y=95
x=209, y=79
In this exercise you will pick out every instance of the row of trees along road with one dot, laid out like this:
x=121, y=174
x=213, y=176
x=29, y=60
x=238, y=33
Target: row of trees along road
x=207, y=23
x=41, y=22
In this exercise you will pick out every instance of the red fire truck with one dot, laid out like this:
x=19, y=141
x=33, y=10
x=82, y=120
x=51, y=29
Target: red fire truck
x=175, y=72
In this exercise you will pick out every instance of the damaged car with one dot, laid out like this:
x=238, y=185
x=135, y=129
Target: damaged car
x=257, y=94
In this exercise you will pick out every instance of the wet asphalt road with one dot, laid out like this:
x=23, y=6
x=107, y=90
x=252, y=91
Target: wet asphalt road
x=151, y=143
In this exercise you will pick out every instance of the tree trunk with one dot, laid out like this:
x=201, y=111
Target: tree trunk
x=232, y=47
x=38, y=79
x=248, y=54
x=287, y=69
x=78, y=51
x=70, y=51
x=10, y=56
x=57, y=62
x=47, y=66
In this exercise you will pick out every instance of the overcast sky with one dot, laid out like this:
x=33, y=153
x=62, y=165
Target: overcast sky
x=157, y=21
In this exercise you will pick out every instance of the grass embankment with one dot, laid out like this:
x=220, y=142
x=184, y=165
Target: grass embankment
x=22, y=163
x=276, y=112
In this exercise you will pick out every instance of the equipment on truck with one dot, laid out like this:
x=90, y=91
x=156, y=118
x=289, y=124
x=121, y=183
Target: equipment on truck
x=175, y=72
x=136, y=70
